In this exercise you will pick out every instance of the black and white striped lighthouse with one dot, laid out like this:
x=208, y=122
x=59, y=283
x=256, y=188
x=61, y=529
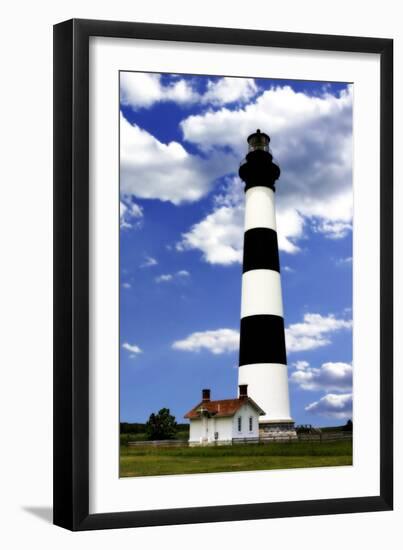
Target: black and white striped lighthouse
x=262, y=354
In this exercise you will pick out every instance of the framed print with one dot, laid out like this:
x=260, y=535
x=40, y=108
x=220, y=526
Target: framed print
x=223, y=319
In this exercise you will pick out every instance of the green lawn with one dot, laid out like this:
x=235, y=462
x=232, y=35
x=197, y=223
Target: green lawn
x=152, y=461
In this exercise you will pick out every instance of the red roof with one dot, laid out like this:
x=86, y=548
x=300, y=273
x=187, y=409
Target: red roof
x=223, y=407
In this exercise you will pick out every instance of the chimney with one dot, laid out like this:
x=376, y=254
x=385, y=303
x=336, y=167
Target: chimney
x=206, y=395
x=243, y=391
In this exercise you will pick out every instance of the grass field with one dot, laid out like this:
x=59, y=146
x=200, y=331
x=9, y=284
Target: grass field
x=154, y=461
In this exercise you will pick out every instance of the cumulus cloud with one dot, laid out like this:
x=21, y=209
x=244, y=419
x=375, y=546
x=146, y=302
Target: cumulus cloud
x=145, y=89
x=130, y=214
x=329, y=377
x=333, y=229
x=312, y=142
x=300, y=365
x=150, y=169
x=229, y=90
x=290, y=228
x=142, y=90
x=132, y=349
x=219, y=236
x=333, y=405
x=218, y=341
x=314, y=332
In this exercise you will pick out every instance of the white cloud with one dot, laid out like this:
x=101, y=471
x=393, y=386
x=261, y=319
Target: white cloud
x=145, y=89
x=219, y=236
x=329, y=377
x=126, y=285
x=344, y=261
x=311, y=139
x=228, y=90
x=333, y=405
x=165, y=278
x=299, y=337
x=314, y=332
x=333, y=229
x=301, y=365
x=290, y=228
x=149, y=262
x=130, y=211
x=136, y=211
x=142, y=90
x=150, y=169
x=219, y=341
x=133, y=349
x=312, y=142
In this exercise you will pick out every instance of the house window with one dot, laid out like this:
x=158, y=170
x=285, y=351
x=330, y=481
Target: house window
x=239, y=423
x=251, y=423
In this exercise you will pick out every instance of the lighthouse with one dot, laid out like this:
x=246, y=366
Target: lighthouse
x=262, y=353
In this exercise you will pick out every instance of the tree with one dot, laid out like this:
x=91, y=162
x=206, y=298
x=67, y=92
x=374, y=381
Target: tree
x=348, y=427
x=161, y=425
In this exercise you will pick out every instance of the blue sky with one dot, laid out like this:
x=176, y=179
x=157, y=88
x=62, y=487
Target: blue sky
x=181, y=140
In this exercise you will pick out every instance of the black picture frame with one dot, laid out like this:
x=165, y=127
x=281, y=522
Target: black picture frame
x=71, y=274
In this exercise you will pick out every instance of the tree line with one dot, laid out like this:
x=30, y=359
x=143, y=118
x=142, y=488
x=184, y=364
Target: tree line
x=160, y=425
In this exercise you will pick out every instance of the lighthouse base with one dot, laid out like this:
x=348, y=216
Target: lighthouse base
x=277, y=431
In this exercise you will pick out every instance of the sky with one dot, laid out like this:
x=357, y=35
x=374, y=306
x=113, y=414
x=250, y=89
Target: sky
x=182, y=138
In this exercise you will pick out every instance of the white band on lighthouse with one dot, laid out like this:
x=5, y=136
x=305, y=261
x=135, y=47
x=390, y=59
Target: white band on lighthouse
x=261, y=293
x=268, y=383
x=259, y=208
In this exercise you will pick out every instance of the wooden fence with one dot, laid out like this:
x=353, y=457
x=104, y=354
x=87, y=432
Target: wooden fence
x=160, y=443
x=326, y=436
x=320, y=437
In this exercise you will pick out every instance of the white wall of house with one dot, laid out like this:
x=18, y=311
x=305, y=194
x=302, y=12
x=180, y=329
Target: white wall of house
x=223, y=426
x=245, y=413
x=203, y=430
x=195, y=431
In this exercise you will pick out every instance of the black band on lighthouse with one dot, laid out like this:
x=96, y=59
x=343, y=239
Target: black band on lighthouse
x=262, y=340
x=260, y=249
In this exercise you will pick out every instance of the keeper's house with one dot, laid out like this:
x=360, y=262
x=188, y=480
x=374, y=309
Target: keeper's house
x=226, y=421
